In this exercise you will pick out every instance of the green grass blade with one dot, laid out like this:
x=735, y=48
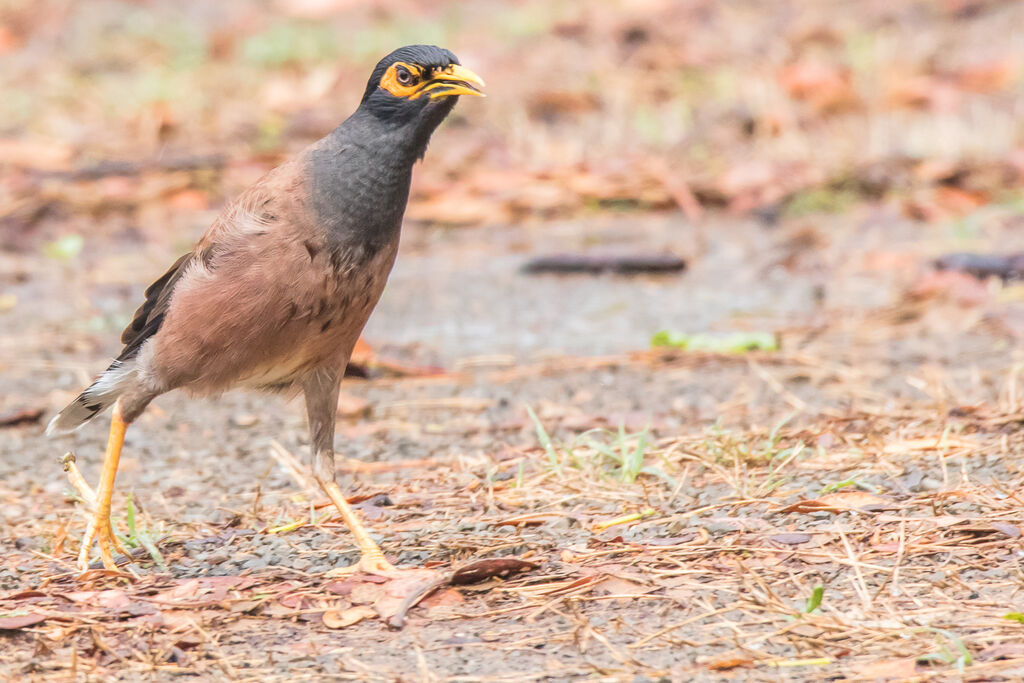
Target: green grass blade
x=146, y=542
x=545, y=441
x=814, y=602
x=131, y=515
x=633, y=462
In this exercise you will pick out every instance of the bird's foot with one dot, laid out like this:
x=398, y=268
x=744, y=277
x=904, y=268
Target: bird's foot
x=100, y=529
x=376, y=563
x=369, y=563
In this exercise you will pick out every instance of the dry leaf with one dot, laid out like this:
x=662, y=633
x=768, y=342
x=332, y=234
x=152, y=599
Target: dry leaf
x=23, y=595
x=296, y=601
x=729, y=663
x=901, y=669
x=15, y=621
x=108, y=599
x=842, y=501
x=348, y=617
x=502, y=567
x=1011, y=530
x=613, y=585
x=366, y=593
x=404, y=592
x=790, y=539
x=445, y=598
x=929, y=444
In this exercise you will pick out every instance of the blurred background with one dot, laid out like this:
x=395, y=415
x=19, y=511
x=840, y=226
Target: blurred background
x=742, y=136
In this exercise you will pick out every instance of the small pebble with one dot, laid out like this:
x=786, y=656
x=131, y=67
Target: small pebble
x=217, y=556
x=245, y=420
x=254, y=563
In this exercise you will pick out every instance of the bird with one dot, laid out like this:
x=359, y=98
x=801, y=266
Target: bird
x=277, y=291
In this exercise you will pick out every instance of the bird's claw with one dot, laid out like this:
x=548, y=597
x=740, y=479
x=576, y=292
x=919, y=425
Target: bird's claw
x=101, y=530
x=369, y=563
x=376, y=563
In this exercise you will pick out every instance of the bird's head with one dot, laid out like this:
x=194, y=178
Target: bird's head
x=418, y=83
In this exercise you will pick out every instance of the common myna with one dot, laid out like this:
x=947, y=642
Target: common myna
x=279, y=288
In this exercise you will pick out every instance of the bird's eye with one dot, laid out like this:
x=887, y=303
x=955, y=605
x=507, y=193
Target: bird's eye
x=404, y=77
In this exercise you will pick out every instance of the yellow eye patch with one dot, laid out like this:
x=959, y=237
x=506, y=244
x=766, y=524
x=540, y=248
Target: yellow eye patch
x=410, y=81
x=399, y=72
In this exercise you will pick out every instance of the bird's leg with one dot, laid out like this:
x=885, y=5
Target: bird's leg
x=99, y=527
x=321, y=391
x=372, y=559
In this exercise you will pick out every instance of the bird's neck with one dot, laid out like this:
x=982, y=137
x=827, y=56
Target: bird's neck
x=397, y=133
x=360, y=180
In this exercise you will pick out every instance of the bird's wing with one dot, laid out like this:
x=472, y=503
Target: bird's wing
x=150, y=314
x=252, y=210
x=265, y=297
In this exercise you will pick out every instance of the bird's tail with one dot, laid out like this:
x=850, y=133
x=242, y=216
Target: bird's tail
x=100, y=395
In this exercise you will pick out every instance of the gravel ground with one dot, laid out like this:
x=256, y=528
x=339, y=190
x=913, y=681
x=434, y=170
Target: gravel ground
x=853, y=344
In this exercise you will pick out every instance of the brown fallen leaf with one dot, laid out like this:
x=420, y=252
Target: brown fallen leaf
x=366, y=593
x=108, y=599
x=296, y=601
x=348, y=617
x=404, y=592
x=886, y=547
x=23, y=595
x=1002, y=651
x=531, y=519
x=445, y=598
x=790, y=539
x=1011, y=530
x=901, y=669
x=929, y=444
x=614, y=585
x=727, y=663
x=347, y=585
x=502, y=567
x=841, y=502
x=13, y=621
x=207, y=589
x=23, y=416
x=243, y=606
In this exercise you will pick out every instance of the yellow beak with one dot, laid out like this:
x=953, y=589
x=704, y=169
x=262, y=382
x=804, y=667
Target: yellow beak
x=453, y=80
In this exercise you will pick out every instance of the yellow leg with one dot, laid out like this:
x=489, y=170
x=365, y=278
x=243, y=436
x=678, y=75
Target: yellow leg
x=372, y=560
x=100, y=528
